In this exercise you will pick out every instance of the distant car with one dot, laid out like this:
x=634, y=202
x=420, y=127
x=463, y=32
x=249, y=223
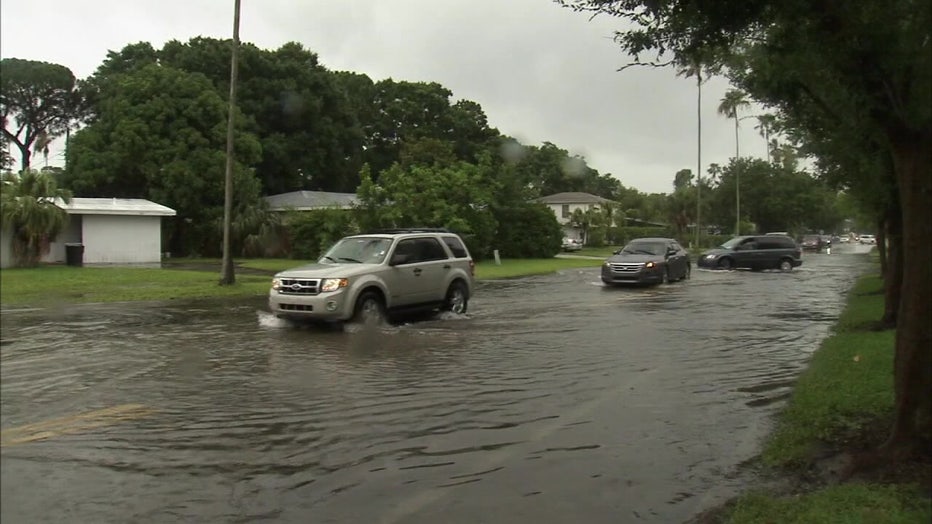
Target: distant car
x=647, y=261
x=811, y=243
x=756, y=252
x=868, y=239
x=571, y=244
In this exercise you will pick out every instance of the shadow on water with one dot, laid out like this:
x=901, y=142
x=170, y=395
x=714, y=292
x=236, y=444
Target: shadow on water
x=552, y=400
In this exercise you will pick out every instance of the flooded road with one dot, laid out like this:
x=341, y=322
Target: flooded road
x=556, y=400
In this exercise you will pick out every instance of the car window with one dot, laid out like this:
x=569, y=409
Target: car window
x=773, y=243
x=430, y=249
x=408, y=246
x=733, y=243
x=456, y=247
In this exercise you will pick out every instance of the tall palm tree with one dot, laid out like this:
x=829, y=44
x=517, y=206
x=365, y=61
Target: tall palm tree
x=765, y=125
x=734, y=100
x=28, y=211
x=695, y=69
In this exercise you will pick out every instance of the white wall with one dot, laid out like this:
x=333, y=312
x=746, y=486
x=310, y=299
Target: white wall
x=122, y=239
x=70, y=234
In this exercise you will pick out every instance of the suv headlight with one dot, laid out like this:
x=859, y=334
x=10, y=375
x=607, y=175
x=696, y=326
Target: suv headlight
x=649, y=265
x=276, y=284
x=333, y=284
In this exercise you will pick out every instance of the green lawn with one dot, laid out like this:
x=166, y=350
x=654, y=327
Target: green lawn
x=55, y=284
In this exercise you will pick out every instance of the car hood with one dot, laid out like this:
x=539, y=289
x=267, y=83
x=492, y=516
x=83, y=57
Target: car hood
x=635, y=258
x=327, y=270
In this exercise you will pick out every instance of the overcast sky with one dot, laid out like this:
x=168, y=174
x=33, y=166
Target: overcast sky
x=540, y=72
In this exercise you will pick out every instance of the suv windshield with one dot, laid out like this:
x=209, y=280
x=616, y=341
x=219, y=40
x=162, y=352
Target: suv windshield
x=357, y=250
x=645, y=248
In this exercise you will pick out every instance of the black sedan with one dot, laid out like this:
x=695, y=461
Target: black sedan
x=647, y=261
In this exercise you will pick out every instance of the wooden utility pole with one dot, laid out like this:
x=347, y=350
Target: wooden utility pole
x=227, y=275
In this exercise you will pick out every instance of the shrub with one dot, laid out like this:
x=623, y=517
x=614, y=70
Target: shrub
x=310, y=233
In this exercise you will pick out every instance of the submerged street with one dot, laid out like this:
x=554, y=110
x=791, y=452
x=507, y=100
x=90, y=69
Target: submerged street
x=555, y=400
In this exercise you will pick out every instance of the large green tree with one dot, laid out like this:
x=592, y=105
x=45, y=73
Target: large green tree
x=871, y=55
x=160, y=133
x=28, y=210
x=38, y=102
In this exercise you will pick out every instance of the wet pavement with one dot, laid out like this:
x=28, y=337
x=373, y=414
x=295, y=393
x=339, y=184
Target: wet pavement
x=555, y=400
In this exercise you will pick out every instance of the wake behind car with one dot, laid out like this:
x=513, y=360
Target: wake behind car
x=756, y=252
x=647, y=261
x=371, y=276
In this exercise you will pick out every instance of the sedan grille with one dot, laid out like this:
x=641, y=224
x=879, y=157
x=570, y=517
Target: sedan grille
x=626, y=267
x=299, y=286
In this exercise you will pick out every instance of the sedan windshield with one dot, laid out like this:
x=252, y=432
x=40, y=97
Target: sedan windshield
x=645, y=248
x=357, y=250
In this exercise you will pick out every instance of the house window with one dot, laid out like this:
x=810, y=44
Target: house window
x=566, y=210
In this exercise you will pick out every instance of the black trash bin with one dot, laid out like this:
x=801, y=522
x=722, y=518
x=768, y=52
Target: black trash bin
x=74, y=254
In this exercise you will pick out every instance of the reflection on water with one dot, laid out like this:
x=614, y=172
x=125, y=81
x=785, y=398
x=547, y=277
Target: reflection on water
x=555, y=399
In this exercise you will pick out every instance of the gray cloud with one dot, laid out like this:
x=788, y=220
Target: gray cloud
x=540, y=72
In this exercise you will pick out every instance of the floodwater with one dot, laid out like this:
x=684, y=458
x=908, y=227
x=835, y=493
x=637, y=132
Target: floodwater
x=555, y=400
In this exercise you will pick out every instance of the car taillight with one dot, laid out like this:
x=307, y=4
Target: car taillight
x=472, y=267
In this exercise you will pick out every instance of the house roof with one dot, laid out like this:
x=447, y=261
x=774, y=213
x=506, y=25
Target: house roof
x=573, y=198
x=114, y=206
x=307, y=200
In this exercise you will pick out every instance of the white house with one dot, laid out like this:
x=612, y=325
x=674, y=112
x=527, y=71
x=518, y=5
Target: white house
x=111, y=230
x=564, y=204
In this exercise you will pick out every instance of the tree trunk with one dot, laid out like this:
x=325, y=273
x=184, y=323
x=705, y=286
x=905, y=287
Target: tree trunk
x=25, y=158
x=913, y=353
x=882, y=243
x=892, y=245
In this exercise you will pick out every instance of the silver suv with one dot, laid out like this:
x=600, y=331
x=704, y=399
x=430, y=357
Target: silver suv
x=367, y=277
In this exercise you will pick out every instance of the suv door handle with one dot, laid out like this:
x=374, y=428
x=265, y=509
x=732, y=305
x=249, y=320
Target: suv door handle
x=417, y=271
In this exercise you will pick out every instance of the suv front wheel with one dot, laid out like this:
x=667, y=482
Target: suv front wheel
x=457, y=299
x=369, y=309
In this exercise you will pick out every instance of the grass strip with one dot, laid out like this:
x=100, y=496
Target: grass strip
x=847, y=386
x=849, y=382
x=49, y=285
x=841, y=504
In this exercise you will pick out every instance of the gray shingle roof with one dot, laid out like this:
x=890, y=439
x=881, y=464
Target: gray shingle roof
x=573, y=198
x=307, y=200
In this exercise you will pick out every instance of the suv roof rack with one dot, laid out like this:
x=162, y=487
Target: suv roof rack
x=412, y=230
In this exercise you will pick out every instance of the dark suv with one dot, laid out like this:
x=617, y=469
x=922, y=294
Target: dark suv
x=754, y=252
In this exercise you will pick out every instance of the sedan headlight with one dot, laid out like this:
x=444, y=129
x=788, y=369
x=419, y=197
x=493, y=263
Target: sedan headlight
x=709, y=257
x=333, y=284
x=649, y=265
x=276, y=284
